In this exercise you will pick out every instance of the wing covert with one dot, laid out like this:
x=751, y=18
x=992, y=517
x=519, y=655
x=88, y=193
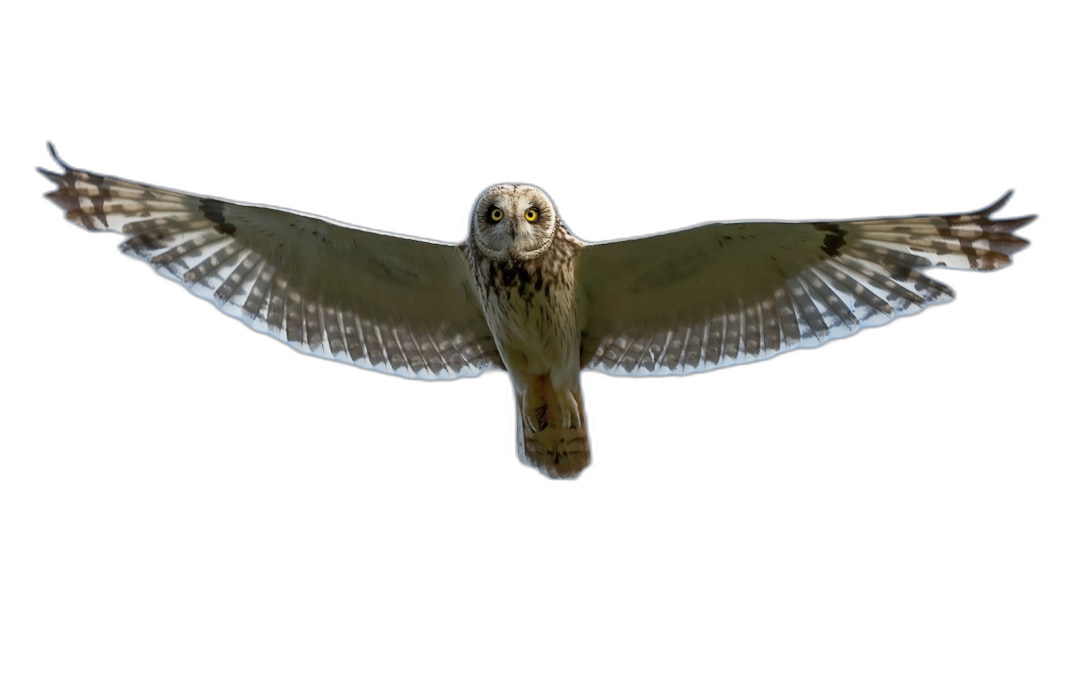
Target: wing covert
x=726, y=293
x=392, y=303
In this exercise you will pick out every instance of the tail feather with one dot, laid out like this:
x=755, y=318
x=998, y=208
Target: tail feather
x=550, y=438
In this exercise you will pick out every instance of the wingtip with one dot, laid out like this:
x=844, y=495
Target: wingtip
x=53, y=176
x=56, y=157
x=1000, y=202
x=1009, y=225
x=1002, y=233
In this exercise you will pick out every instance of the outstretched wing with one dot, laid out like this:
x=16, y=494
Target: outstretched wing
x=392, y=303
x=721, y=294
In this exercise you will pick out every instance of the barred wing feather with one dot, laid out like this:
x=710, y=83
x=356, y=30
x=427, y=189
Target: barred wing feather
x=727, y=293
x=392, y=303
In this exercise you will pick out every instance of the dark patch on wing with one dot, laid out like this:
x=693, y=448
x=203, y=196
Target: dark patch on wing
x=214, y=210
x=834, y=238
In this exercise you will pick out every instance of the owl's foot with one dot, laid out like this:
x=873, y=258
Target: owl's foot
x=538, y=403
x=551, y=430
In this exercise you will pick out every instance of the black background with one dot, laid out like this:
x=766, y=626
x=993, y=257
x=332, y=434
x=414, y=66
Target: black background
x=147, y=418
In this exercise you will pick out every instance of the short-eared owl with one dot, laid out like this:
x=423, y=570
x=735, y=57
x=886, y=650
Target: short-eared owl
x=523, y=294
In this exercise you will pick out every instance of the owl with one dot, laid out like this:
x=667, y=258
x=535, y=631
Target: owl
x=524, y=295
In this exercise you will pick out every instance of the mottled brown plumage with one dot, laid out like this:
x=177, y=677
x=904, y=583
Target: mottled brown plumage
x=524, y=295
x=526, y=273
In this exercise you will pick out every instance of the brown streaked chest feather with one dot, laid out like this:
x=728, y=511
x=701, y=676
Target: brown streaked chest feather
x=531, y=306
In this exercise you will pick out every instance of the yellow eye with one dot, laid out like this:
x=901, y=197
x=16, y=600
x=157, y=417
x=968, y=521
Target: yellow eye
x=495, y=214
x=531, y=214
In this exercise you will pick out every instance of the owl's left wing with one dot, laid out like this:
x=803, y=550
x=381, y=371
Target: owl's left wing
x=391, y=303
x=727, y=293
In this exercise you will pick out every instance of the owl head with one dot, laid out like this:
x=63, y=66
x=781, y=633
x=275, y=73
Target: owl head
x=513, y=222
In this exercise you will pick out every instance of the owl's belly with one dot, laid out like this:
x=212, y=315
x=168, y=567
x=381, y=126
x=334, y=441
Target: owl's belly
x=536, y=332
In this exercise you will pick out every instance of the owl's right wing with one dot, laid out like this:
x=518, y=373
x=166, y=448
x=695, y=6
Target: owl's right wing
x=726, y=293
x=392, y=303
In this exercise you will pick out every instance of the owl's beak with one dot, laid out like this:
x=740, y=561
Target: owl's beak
x=513, y=229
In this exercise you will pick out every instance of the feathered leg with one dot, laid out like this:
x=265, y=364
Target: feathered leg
x=552, y=435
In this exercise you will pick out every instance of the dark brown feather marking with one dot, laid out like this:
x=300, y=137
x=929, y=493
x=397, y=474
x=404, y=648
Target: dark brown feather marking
x=214, y=210
x=834, y=238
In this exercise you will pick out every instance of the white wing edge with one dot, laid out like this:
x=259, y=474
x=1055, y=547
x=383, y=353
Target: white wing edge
x=258, y=323
x=808, y=338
